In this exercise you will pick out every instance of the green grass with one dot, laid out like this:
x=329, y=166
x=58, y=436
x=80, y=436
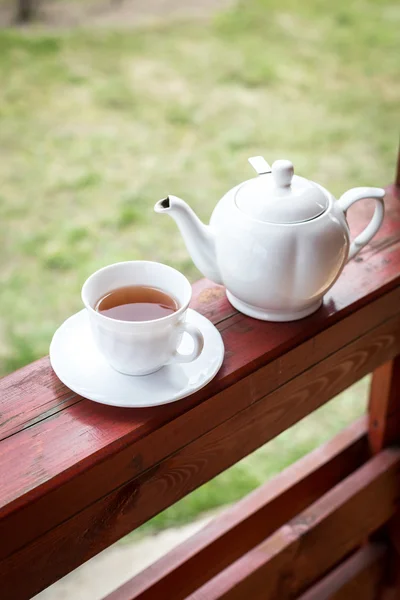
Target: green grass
x=97, y=125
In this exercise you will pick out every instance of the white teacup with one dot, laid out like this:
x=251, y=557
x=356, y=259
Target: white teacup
x=141, y=347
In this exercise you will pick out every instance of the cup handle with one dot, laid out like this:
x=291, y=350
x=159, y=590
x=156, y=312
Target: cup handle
x=198, y=340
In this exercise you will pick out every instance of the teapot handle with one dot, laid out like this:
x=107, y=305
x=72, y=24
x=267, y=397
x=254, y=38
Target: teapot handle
x=361, y=193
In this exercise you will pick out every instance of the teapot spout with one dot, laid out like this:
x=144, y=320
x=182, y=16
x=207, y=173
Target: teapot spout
x=199, y=238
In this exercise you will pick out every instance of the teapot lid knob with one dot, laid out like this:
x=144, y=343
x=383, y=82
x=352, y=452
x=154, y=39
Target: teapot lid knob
x=282, y=172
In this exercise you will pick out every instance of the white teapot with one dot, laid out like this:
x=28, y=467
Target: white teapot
x=277, y=242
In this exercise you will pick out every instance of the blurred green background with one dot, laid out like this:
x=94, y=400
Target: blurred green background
x=99, y=122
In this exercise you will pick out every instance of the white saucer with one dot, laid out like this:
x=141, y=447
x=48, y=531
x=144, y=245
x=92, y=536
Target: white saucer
x=80, y=366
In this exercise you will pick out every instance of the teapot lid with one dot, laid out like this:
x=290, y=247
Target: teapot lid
x=279, y=196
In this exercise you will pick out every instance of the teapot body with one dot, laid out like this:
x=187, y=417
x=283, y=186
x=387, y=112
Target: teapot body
x=278, y=242
x=278, y=271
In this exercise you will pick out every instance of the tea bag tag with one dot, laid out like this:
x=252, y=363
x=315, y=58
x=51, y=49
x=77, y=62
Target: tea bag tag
x=260, y=165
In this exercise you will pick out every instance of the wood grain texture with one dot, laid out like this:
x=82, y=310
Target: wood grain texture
x=384, y=406
x=307, y=547
x=109, y=518
x=250, y=521
x=357, y=578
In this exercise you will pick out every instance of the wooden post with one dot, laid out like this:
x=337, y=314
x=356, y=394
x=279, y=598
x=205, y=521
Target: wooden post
x=384, y=430
x=384, y=406
x=384, y=400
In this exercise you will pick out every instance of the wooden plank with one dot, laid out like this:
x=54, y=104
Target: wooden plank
x=250, y=521
x=56, y=473
x=210, y=299
x=358, y=577
x=313, y=542
x=384, y=405
x=109, y=518
x=34, y=394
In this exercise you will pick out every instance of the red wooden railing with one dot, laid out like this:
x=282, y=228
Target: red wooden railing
x=76, y=476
